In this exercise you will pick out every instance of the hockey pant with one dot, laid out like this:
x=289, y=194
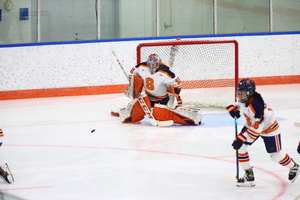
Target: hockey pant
x=273, y=148
x=134, y=113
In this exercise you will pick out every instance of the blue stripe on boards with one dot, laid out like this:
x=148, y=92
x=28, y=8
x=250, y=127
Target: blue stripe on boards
x=147, y=38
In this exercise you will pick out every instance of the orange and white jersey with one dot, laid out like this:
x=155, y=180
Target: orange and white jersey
x=260, y=119
x=156, y=84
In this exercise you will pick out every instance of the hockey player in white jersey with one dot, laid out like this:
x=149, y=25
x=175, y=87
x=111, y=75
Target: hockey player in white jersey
x=157, y=78
x=260, y=122
x=5, y=173
x=162, y=94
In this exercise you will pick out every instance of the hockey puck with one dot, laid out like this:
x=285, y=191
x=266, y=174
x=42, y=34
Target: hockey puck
x=93, y=131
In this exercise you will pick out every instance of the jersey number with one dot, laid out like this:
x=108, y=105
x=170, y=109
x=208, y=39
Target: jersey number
x=149, y=83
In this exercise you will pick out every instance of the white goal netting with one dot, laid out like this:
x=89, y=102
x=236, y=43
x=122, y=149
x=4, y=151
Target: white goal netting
x=208, y=69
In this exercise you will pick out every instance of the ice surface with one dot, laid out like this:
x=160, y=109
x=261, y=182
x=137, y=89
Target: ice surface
x=53, y=154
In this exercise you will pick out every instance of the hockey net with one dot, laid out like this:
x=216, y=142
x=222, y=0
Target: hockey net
x=208, y=69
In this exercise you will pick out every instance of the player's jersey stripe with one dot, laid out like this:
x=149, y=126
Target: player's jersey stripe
x=252, y=109
x=252, y=134
x=271, y=128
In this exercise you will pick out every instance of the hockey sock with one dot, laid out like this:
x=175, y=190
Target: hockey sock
x=283, y=159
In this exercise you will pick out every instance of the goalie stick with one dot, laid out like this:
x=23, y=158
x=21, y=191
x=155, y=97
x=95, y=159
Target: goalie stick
x=174, y=50
x=114, y=53
x=143, y=104
x=297, y=124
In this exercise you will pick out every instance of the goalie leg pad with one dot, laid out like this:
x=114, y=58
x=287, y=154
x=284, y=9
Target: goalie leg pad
x=184, y=116
x=133, y=112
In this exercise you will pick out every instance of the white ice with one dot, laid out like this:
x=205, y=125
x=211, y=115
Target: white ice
x=53, y=154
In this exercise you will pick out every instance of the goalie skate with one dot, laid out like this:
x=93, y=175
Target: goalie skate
x=247, y=180
x=5, y=174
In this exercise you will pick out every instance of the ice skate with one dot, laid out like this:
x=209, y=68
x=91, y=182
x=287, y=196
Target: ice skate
x=294, y=172
x=247, y=180
x=5, y=174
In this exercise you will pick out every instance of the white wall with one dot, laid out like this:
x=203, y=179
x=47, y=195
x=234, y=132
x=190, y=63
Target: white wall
x=91, y=64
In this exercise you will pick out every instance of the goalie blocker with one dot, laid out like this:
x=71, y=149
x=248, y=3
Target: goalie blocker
x=134, y=111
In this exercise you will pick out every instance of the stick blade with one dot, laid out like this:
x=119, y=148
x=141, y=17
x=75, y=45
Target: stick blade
x=161, y=123
x=297, y=124
x=165, y=123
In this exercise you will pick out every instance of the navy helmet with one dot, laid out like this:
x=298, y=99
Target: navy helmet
x=248, y=86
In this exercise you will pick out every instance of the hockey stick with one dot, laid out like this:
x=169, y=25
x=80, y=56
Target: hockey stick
x=143, y=104
x=237, y=151
x=297, y=124
x=174, y=50
x=113, y=52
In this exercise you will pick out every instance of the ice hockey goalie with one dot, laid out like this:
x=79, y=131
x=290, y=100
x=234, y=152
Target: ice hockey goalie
x=162, y=88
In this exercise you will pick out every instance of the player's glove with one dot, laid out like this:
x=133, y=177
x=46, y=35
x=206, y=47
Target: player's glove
x=298, y=149
x=238, y=142
x=233, y=111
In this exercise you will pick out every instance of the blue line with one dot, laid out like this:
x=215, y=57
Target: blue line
x=147, y=38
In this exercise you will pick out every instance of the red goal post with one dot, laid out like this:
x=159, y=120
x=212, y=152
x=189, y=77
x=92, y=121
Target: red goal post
x=208, y=69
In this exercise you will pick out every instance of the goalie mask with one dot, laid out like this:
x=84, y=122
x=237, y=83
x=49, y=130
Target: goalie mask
x=153, y=62
x=245, y=90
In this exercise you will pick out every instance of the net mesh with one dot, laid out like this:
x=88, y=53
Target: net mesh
x=207, y=69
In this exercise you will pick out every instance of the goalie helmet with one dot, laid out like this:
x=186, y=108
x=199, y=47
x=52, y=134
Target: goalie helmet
x=153, y=61
x=245, y=89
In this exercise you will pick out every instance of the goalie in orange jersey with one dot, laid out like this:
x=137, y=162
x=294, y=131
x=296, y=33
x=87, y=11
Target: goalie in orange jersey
x=162, y=88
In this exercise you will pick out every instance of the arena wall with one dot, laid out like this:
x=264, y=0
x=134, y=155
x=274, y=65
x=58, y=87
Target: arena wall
x=89, y=67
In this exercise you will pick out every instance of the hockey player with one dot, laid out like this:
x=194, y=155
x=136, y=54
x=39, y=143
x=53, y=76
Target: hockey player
x=5, y=173
x=162, y=88
x=260, y=122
